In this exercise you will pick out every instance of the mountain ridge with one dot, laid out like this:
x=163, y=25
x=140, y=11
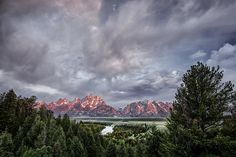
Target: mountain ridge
x=95, y=106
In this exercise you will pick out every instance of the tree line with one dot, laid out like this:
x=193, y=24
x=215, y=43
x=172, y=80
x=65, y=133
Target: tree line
x=202, y=123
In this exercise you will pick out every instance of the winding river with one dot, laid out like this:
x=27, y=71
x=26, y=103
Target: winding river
x=107, y=130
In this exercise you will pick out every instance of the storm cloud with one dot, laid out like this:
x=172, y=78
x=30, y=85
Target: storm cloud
x=122, y=50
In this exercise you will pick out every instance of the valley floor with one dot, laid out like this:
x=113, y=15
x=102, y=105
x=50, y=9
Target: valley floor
x=124, y=121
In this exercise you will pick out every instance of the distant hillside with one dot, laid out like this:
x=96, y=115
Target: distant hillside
x=95, y=106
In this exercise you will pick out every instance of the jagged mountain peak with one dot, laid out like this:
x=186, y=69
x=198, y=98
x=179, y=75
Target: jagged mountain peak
x=147, y=108
x=92, y=105
x=62, y=101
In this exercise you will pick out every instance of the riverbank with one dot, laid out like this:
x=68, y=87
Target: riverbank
x=124, y=121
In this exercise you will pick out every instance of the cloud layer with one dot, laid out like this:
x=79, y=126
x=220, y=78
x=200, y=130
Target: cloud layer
x=122, y=50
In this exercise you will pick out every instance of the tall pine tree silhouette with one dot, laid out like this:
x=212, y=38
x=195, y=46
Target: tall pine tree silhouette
x=197, y=116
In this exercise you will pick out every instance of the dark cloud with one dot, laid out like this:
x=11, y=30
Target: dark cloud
x=121, y=50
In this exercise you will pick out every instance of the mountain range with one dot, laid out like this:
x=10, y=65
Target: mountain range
x=95, y=106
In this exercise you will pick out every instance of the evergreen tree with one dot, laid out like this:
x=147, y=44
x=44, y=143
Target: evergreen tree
x=229, y=129
x=121, y=151
x=24, y=109
x=75, y=148
x=6, y=145
x=195, y=121
x=156, y=143
x=140, y=150
x=59, y=147
x=30, y=153
x=40, y=141
x=51, y=129
x=34, y=136
x=111, y=150
x=90, y=143
x=65, y=123
x=130, y=151
x=39, y=152
x=18, y=139
x=69, y=133
x=7, y=112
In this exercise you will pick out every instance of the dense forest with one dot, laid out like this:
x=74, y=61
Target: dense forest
x=202, y=123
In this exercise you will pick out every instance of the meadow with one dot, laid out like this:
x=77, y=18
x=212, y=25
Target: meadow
x=121, y=121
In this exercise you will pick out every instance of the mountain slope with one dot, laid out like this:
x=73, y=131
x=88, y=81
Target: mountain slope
x=88, y=106
x=147, y=109
x=96, y=106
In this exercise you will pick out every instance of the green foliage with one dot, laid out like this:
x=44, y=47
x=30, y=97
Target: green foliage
x=140, y=150
x=8, y=108
x=6, y=145
x=202, y=123
x=27, y=132
x=14, y=110
x=45, y=151
x=130, y=151
x=121, y=151
x=154, y=144
x=75, y=148
x=195, y=122
x=111, y=150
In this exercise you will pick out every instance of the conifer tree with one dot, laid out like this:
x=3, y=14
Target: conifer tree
x=195, y=121
x=229, y=129
x=111, y=150
x=130, y=151
x=51, y=129
x=37, y=130
x=121, y=151
x=154, y=143
x=75, y=148
x=65, y=123
x=59, y=147
x=6, y=145
x=18, y=139
x=8, y=107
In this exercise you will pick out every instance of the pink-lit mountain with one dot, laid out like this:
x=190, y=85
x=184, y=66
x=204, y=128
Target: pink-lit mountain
x=96, y=106
x=147, y=108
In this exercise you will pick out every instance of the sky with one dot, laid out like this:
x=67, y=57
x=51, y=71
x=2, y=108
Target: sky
x=121, y=50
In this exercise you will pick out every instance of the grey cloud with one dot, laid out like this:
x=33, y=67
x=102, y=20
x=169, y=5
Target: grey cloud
x=121, y=50
x=198, y=55
x=130, y=35
x=146, y=86
x=225, y=57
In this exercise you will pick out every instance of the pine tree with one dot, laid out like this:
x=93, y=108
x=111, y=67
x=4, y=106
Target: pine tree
x=75, y=148
x=130, y=151
x=24, y=108
x=195, y=121
x=18, y=139
x=69, y=133
x=39, y=152
x=65, y=123
x=59, y=147
x=111, y=150
x=90, y=143
x=121, y=151
x=40, y=140
x=229, y=129
x=51, y=129
x=34, y=136
x=6, y=145
x=154, y=143
x=7, y=112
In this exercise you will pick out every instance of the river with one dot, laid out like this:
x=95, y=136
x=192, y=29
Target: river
x=108, y=129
